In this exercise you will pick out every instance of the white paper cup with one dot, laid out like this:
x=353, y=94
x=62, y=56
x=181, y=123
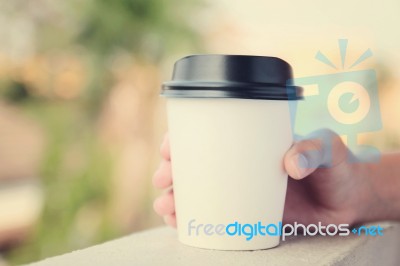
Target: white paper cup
x=228, y=176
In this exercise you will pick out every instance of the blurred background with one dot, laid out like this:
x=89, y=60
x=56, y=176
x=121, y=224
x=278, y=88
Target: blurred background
x=81, y=120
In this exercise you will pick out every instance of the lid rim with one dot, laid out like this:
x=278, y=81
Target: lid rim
x=232, y=76
x=229, y=93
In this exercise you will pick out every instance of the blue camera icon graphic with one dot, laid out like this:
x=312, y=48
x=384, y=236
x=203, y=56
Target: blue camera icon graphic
x=346, y=103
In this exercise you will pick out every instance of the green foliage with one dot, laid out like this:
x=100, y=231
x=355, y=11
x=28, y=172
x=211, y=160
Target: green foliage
x=71, y=189
x=14, y=91
x=148, y=28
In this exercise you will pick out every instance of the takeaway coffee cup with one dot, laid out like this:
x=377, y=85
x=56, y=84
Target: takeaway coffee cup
x=229, y=128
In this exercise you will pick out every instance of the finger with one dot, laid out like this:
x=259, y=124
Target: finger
x=163, y=176
x=165, y=148
x=165, y=204
x=170, y=220
x=323, y=148
x=297, y=164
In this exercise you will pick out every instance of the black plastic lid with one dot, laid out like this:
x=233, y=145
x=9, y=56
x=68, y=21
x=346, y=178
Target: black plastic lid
x=232, y=76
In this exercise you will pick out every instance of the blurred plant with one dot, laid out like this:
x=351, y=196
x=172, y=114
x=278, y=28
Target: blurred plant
x=16, y=92
x=62, y=82
x=95, y=34
x=146, y=29
x=75, y=174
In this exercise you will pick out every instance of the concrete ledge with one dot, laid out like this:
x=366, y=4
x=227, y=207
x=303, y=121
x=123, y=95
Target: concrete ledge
x=160, y=247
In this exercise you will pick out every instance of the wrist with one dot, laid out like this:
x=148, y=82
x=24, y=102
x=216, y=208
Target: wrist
x=365, y=196
x=380, y=194
x=370, y=201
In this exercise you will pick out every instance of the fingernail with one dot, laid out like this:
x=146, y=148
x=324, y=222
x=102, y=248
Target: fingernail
x=300, y=163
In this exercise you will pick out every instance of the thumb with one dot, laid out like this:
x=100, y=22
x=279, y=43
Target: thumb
x=322, y=148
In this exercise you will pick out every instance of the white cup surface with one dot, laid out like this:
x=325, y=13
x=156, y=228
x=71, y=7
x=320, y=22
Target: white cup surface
x=227, y=165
